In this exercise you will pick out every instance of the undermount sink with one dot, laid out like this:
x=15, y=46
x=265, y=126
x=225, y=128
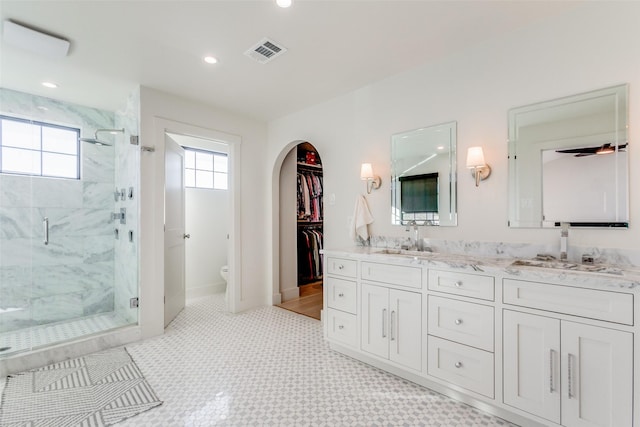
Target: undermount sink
x=568, y=266
x=403, y=252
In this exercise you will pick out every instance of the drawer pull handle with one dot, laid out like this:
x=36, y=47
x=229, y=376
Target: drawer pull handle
x=340, y=267
x=458, y=365
x=340, y=294
x=458, y=322
x=458, y=284
x=340, y=326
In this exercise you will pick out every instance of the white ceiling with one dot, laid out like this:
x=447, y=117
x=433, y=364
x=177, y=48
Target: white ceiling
x=333, y=46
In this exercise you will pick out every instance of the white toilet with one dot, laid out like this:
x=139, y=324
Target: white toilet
x=224, y=272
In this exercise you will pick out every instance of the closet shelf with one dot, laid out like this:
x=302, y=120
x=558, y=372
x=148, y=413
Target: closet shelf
x=311, y=167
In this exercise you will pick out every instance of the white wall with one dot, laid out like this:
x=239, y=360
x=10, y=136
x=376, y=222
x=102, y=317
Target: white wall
x=289, y=227
x=592, y=47
x=248, y=187
x=207, y=221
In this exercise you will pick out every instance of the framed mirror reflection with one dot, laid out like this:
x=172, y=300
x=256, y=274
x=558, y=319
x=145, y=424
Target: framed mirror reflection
x=423, y=176
x=568, y=161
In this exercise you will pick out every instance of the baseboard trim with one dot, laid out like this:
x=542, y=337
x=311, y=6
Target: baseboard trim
x=202, y=291
x=290, y=293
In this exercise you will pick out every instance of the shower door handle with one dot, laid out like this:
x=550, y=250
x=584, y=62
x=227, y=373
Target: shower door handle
x=45, y=226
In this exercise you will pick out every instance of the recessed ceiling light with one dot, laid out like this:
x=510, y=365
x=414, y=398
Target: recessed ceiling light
x=42, y=107
x=284, y=3
x=210, y=59
x=440, y=147
x=50, y=85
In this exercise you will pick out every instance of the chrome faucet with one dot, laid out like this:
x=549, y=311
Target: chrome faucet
x=564, y=240
x=416, y=235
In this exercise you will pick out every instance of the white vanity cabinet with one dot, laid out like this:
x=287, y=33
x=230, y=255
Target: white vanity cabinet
x=461, y=333
x=536, y=347
x=392, y=324
x=340, y=301
x=568, y=372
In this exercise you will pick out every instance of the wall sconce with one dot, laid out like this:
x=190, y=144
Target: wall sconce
x=366, y=174
x=475, y=161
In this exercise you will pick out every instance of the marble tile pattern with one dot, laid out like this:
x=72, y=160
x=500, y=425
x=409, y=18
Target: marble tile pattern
x=614, y=278
x=612, y=256
x=271, y=367
x=45, y=335
x=74, y=274
x=127, y=159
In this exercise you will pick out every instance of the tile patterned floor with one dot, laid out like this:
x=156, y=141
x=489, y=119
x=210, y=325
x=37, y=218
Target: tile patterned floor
x=271, y=367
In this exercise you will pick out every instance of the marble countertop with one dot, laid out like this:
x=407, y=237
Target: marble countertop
x=554, y=271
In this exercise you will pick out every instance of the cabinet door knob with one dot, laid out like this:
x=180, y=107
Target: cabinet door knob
x=340, y=267
x=186, y=236
x=458, y=365
x=458, y=284
x=341, y=327
x=458, y=322
x=340, y=294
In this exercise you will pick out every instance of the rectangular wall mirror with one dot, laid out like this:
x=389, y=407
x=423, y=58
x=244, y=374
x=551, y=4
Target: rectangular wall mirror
x=568, y=161
x=423, y=176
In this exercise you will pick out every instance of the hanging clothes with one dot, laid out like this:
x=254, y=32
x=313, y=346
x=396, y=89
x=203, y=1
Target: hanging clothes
x=309, y=195
x=310, y=262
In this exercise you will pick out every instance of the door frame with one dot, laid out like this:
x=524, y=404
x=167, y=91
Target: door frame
x=233, y=142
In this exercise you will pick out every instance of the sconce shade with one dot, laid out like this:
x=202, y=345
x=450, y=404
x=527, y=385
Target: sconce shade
x=366, y=171
x=366, y=174
x=475, y=161
x=475, y=157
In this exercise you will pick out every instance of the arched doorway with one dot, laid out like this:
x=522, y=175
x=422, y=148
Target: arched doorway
x=300, y=237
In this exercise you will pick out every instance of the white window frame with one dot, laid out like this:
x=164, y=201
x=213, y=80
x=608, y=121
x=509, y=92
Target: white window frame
x=41, y=125
x=213, y=169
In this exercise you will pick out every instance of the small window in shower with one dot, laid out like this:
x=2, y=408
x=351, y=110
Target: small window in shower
x=205, y=169
x=28, y=147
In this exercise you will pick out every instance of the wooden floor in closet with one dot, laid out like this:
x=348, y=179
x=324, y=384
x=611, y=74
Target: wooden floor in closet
x=308, y=303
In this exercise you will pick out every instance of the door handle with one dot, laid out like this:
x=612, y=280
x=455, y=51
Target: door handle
x=186, y=236
x=384, y=323
x=45, y=226
x=551, y=353
x=570, y=374
x=393, y=315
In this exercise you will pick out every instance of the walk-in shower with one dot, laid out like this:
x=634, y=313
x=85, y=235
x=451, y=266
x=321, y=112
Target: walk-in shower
x=68, y=269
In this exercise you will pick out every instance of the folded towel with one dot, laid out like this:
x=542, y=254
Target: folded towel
x=361, y=218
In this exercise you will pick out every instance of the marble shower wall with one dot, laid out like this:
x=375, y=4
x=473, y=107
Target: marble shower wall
x=73, y=276
x=127, y=158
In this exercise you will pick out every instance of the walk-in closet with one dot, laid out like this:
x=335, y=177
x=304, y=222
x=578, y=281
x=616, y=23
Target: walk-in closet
x=309, y=229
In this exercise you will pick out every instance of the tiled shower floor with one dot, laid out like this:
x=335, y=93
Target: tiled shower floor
x=45, y=335
x=271, y=367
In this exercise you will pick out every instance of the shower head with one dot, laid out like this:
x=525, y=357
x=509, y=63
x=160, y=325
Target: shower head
x=95, y=140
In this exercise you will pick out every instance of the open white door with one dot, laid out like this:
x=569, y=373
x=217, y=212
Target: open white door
x=174, y=233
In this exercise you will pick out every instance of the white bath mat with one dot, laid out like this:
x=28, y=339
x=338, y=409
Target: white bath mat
x=99, y=389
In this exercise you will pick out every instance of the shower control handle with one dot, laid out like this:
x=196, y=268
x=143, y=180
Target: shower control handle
x=45, y=226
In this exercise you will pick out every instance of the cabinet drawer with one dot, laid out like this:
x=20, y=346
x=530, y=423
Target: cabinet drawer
x=463, y=322
x=402, y=275
x=461, y=365
x=341, y=294
x=591, y=303
x=468, y=285
x=341, y=267
x=342, y=327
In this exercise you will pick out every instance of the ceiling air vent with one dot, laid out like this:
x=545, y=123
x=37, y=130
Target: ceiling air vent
x=265, y=51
